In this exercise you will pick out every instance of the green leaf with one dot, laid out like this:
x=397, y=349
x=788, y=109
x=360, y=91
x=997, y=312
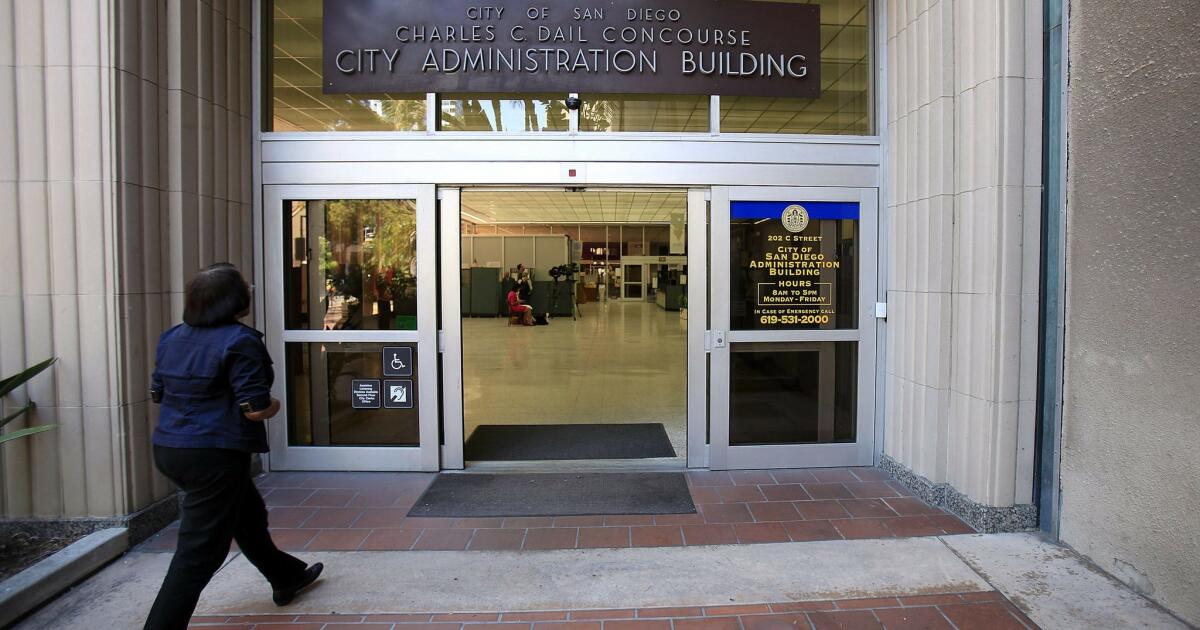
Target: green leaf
x=15, y=381
x=16, y=414
x=25, y=432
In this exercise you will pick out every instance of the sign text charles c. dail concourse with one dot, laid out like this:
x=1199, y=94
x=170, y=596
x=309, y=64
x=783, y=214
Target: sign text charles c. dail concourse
x=616, y=46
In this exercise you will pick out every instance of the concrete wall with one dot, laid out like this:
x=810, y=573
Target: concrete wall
x=124, y=167
x=1131, y=410
x=964, y=135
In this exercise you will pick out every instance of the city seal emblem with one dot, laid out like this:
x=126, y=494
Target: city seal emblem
x=795, y=218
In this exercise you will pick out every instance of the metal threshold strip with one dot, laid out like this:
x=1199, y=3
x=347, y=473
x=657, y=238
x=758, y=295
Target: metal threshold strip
x=577, y=465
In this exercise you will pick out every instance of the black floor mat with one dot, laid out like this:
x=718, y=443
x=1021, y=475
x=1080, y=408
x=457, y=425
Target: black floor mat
x=524, y=442
x=571, y=494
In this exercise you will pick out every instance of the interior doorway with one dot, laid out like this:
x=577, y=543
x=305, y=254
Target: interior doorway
x=574, y=346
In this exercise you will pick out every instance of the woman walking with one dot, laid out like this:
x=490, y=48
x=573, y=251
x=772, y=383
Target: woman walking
x=213, y=380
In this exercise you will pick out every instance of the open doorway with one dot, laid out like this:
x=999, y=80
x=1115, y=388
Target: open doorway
x=574, y=328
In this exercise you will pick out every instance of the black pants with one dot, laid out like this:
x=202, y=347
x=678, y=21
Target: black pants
x=220, y=504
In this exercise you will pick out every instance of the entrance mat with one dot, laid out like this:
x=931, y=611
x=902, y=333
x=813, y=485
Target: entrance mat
x=466, y=495
x=524, y=442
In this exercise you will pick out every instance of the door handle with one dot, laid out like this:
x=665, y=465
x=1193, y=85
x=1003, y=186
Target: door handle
x=718, y=339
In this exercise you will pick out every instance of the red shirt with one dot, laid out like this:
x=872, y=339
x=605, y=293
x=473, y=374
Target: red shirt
x=513, y=301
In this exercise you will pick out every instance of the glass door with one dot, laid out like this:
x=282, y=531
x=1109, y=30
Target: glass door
x=792, y=342
x=633, y=282
x=351, y=296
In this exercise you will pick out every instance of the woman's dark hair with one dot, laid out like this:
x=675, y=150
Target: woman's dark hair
x=218, y=295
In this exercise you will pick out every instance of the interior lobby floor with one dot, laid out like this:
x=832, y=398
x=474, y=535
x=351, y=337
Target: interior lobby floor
x=620, y=362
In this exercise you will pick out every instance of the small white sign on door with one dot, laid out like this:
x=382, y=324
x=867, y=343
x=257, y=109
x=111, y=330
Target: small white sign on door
x=397, y=394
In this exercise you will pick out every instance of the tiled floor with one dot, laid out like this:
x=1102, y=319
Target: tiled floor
x=367, y=512
x=967, y=611
x=565, y=373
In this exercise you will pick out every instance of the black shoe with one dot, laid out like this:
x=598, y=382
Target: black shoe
x=284, y=596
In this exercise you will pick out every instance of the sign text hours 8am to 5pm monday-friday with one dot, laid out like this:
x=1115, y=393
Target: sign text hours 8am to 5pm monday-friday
x=611, y=46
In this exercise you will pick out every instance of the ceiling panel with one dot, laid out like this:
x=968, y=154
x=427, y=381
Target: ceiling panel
x=543, y=206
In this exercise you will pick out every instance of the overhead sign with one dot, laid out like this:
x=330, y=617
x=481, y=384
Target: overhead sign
x=600, y=46
x=678, y=233
x=791, y=263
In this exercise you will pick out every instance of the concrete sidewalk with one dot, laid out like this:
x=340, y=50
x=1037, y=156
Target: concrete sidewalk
x=1050, y=584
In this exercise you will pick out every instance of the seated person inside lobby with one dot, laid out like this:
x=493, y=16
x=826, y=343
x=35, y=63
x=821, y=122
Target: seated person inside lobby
x=524, y=283
x=517, y=308
x=212, y=378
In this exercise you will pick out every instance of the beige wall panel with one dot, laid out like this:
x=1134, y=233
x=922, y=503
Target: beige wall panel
x=102, y=465
x=963, y=142
x=8, y=127
x=28, y=31
x=205, y=162
x=87, y=126
x=37, y=314
x=140, y=457
x=58, y=124
x=33, y=217
x=70, y=438
x=29, y=94
x=7, y=26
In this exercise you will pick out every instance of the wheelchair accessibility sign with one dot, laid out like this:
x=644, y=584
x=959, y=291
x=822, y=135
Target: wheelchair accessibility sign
x=397, y=361
x=397, y=395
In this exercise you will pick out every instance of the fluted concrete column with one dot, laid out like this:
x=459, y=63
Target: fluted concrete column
x=57, y=215
x=964, y=133
x=185, y=100
x=124, y=166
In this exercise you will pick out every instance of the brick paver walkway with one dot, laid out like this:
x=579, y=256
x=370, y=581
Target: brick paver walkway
x=368, y=512
x=966, y=611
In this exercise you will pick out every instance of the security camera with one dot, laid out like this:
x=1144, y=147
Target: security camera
x=574, y=102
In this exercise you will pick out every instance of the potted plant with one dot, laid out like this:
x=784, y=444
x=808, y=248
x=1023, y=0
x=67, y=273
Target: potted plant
x=7, y=386
x=683, y=308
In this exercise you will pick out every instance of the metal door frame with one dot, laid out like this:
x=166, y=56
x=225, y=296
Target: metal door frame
x=450, y=335
x=624, y=282
x=355, y=458
x=860, y=453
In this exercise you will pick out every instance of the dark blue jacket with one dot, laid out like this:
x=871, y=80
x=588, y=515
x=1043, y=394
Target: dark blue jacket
x=202, y=376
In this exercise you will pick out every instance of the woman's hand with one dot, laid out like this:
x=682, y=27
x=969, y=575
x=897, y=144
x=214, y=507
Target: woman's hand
x=265, y=414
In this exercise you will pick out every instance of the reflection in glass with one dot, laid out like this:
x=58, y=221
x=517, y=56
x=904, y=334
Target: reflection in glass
x=845, y=105
x=503, y=112
x=836, y=303
x=351, y=264
x=798, y=393
x=320, y=412
x=293, y=97
x=644, y=112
